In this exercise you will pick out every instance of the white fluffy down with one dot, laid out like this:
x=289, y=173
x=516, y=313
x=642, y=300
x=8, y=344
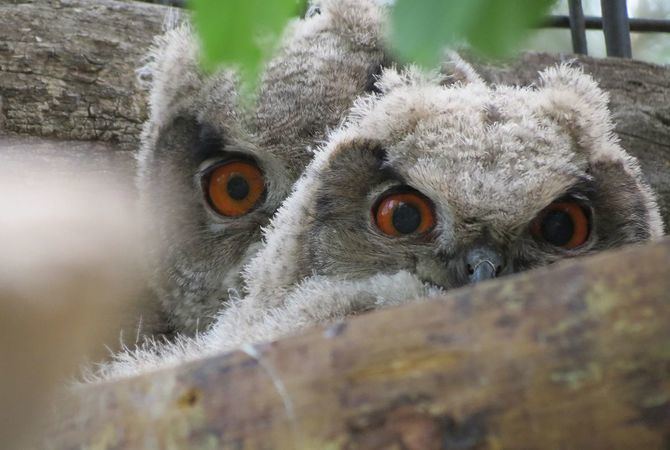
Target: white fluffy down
x=315, y=300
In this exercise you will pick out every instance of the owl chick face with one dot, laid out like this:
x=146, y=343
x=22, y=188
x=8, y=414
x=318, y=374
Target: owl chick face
x=207, y=186
x=213, y=171
x=208, y=192
x=467, y=182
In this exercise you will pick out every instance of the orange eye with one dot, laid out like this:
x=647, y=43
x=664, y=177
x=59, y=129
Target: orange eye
x=403, y=213
x=562, y=224
x=234, y=188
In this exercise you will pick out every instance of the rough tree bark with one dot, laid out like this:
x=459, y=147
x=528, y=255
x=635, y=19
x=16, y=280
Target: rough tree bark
x=575, y=356
x=67, y=71
x=67, y=68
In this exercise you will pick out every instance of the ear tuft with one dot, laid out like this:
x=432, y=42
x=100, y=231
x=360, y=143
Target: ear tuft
x=171, y=70
x=567, y=77
x=459, y=71
x=575, y=101
x=172, y=23
x=411, y=76
x=358, y=21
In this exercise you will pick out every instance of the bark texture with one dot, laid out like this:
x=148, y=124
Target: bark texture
x=573, y=356
x=67, y=68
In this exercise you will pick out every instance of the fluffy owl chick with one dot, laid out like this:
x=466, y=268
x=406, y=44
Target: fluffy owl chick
x=449, y=184
x=211, y=173
x=430, y=185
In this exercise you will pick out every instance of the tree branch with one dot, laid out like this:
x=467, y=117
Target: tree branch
x=572, y=356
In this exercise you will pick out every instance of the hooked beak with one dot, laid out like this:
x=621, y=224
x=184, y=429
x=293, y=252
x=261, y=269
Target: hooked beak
x=484, y=270
x=482, y=263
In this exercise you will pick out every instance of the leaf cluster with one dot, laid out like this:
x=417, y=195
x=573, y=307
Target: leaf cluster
x=242, y=32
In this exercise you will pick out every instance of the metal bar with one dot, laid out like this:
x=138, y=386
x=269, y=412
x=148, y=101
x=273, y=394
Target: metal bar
x=616, y=28
x=596, y=23
x=577, y=27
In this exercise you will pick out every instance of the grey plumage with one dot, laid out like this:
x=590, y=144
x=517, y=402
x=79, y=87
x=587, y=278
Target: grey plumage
x=488, y=158
x=197, y=123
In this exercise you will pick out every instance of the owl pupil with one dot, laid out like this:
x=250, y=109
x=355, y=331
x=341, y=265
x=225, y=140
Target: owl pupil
x=237, y=187
x=558, y=228
x=406, y=218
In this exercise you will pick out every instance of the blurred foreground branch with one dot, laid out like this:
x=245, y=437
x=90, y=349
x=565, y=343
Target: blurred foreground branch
x=70, y=267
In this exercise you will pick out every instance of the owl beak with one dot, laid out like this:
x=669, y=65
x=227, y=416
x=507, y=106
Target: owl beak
x=483, y=263
x=484, y=270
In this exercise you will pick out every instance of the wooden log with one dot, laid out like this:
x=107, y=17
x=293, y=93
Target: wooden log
x=67, y=68
x=572, y=356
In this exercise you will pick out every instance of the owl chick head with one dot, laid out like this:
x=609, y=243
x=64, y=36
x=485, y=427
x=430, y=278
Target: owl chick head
x=205, y=183
x=457, y=181
x=212, y=171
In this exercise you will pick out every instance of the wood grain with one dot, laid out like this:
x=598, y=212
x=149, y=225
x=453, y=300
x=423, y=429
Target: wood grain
x=67, y=68
x=573, y=356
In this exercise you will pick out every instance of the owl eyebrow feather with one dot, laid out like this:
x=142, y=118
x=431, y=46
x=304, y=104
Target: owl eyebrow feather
x=583, y=189
x=387, y=171
x=210, y=143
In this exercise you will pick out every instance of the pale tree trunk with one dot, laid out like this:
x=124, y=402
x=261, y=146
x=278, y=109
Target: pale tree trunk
x=67, y=68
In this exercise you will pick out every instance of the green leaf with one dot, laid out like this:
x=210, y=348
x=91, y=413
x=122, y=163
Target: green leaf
x=422, y=28
x=240, y=32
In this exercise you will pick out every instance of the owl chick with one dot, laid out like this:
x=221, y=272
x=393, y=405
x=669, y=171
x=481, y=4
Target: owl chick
x=429, y=186
x=211, y=173
x=432, y=186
